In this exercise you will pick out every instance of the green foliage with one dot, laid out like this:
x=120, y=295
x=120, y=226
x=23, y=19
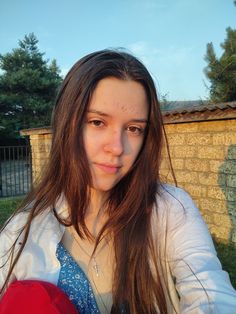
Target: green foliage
x=7, y=207
x=227, y=255
x=222, y=71
x=28, y=86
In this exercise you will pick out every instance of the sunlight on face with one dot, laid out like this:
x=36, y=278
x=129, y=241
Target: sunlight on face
x=114, y=130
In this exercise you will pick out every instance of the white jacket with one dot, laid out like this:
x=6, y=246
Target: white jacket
x=193, y=270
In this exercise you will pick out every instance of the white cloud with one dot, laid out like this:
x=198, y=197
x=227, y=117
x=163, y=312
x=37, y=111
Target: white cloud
x=144, y=51
x=171, y=68
x=172, y=56
x=64, y=71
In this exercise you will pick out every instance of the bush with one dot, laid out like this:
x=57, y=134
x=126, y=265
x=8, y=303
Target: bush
x=227, y=255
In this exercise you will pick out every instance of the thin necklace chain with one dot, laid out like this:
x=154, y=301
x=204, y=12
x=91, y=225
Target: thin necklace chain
x=95, y=266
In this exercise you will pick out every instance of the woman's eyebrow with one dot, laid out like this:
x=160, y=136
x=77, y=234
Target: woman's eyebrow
x=107, y=115
x=98, y=112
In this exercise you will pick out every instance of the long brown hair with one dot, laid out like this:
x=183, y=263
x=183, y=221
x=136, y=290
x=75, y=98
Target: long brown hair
x=131, y=201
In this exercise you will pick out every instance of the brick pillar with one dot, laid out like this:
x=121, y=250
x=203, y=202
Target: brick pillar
x=40, y=142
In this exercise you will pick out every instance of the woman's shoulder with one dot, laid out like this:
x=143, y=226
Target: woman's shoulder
x=178, y=217
x=174, y=197
x=175, y=205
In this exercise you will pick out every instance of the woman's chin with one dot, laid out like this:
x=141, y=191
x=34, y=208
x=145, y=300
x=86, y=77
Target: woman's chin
x=101, y=189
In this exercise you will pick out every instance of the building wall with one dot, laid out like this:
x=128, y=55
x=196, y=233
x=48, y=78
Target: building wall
x=203, y=156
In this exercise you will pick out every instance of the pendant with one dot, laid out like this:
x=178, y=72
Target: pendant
x=96, y=267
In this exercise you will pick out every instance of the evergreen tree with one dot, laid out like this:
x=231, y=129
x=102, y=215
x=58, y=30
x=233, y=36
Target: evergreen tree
x=28, y=86
x=221, y=72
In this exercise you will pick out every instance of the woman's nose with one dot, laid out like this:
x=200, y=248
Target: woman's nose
x=114, y=143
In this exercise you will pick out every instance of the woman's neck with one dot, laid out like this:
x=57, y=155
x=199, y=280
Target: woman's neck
x=97, y=200
x=96, y=214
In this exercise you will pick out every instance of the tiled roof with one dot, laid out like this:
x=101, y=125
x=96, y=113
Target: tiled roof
x=184, y=107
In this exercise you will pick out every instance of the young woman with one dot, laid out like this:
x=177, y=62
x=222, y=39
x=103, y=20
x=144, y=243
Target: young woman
x=101, y=225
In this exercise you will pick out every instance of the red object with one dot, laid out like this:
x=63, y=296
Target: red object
x=35, y=297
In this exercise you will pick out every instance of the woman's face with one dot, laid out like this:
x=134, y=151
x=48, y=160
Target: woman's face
x=114, y=130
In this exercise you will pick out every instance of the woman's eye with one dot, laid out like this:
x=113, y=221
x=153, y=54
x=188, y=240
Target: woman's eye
x=135, y=130
x=96, y=122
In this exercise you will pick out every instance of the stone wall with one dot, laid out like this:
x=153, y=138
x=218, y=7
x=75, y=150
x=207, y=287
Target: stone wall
x=40, y=142
x=203, y=156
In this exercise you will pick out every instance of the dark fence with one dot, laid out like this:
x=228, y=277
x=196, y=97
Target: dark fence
x=15, y=170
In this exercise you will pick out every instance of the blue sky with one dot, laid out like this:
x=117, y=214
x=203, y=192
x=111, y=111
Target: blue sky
x=169, y=36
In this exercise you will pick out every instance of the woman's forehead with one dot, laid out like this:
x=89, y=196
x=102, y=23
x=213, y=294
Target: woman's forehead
x=112, y=94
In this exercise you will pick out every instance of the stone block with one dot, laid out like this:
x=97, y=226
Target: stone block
x=215, y=193
x=206, y=178
x=222, y=180
x=211, y=152
x=230, y=194
x=231, y=207
x=215, y=165
x=231, y=154
x=195, y=190
x=185, y=151
x=186, y=176
x=231, y=180
x=196, y=164
x=222, y=220
x=228, y=167
x=176, y=139
x=199, y=139
x=230, y=138
x=220, y=232
x=177, y=163
x=213, y=205
x=47, y=143
x=40, y=149
x=219, y=139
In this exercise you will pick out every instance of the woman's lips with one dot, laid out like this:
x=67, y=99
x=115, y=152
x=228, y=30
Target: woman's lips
x=112, y=169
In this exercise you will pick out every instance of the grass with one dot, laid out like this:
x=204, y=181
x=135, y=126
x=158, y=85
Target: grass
x=7, y=207
x=226, y=252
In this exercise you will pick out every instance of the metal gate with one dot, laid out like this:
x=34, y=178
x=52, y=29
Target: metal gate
x=15, y=170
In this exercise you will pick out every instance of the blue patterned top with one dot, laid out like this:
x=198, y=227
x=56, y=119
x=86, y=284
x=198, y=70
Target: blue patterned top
x=73, y=281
